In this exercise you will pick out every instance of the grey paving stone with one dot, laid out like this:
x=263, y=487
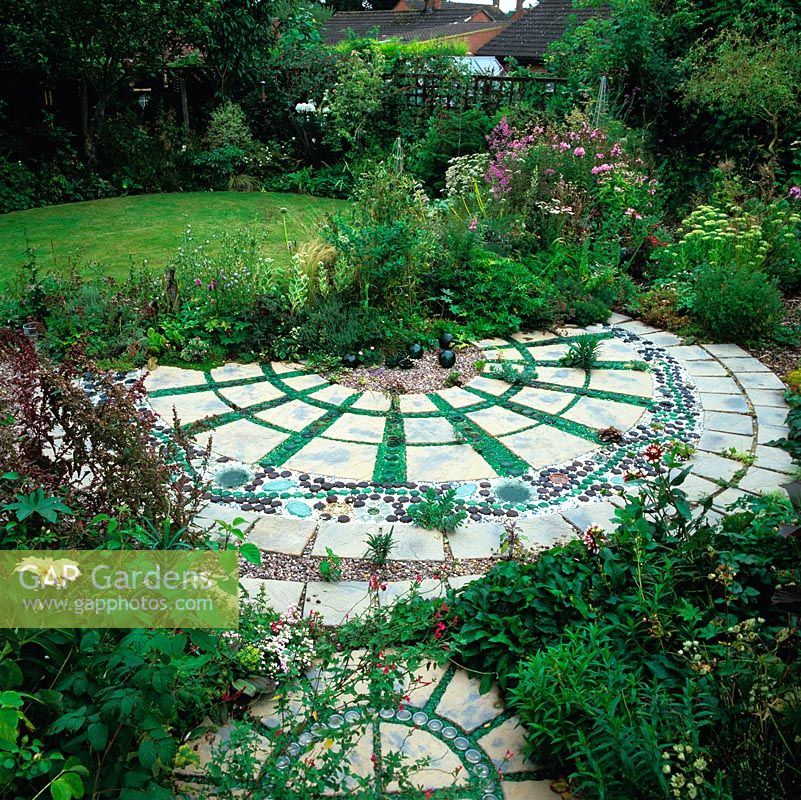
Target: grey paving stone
x=771, y=415
x=727, y=351
x=173, y=378
x=771, y=433
x=547, y=400
x=279, y=594
x=281, y=534
x=760, y=380
x=775, y=458
x=302, y=382
x=767, y=397
x=412, y=403
x=725, y=402
x=717, y=442
x=436, y=766
x=738, y=365
x=588, y=514
x=232, y=371
x=208, y=516
x=728, y=497
x=336, y=602
x=640, y=328
x=664, y=339
x=499, y=421
x=372, y=401
x=714, y=467
x=336, y=458
x=546, y=445
x=528, y=790
x=728, y=423
x=717, y=385
x=445, y=462
x=428, y=587
x=457, y=582
x=639, y=384
x=428, y=430
x=242, y=440
x=476, y=540
x=697, y=488
x=561, y=376
x=616, y=319
x=545, y=531
x=189, y=407
x=348, y=540
x=706, y=369
x=464, y=704
x=600, y=414
x=413, y=543
x=491, y=386
x=762, y=481
x=688, y=352
x=357, y=428
x=508, y=737
x=336, y=394
x=458, y=398
x=251, y=394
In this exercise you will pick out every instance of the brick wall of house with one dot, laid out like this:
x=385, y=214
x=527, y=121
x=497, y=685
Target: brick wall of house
x=479, y=39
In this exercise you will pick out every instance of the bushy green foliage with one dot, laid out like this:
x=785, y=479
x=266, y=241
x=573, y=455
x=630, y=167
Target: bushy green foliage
x=631, y=650
x=436, y=511
x=736, y=305
x=17, y=184
x=228, y=127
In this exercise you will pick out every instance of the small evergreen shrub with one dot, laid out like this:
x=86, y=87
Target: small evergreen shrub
x=735, y=304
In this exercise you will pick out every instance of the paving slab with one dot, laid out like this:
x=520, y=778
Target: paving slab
x=280, y=595
x=588, y=514
x=336, y=602
x=760, y=380
x=281, y=534
x=337, y=459
x=771, y=415
x=458, y=397
x=776, y=459
x=415, y=403
x=545, y=531
x=476, y=540
x=705, y=369
x=302, y=382
x=771, y=433
x=347, y=540
x=372, y=401
x=685, y=352
x=357, y=428
x=717, y=442
x=697, y=488
x=734, y=403
x=726, y=351
x=251, y=394
x=762, y=481
x=664, y=339
x=463, y=703
x=413, y=543
x=173, y=378
x=445, y=462
x=499, y=421
x=294, y=415
x=545, y=445
x=714, y=467
x=528, y=790
x=547, y=400
x=428, y=430
x=189, y=407
x=640, y=328
x=242, y=440
x=717, y=386
x=767, y=397
x=729, y=423
x=622, y=381
x=561, y=376
x=746, y=364
x=599, y=414
x=508, y=737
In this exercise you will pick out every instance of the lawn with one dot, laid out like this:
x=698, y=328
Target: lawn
x=124, y=230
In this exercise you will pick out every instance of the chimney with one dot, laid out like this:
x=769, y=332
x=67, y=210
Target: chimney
x=518, y=10
x=432, y=5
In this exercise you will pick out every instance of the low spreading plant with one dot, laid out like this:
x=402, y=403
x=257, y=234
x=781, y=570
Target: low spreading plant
x=582, y=353
x=436, y=511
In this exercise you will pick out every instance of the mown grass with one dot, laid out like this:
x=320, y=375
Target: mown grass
x=121, y=231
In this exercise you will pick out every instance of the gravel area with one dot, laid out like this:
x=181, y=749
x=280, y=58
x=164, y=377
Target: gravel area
x=426, y=375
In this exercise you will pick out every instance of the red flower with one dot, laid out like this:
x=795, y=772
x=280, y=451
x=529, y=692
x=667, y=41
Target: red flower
x=653, y=453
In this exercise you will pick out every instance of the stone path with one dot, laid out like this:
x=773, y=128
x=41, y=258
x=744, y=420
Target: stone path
x=449, y=734
x=312, y=465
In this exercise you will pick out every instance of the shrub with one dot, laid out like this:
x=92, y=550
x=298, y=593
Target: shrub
x=17, y=186
x=735, y=304
x=228, y=127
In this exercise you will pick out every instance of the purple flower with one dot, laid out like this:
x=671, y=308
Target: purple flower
x=579, y=152
x=794, y=193
x=198, y=282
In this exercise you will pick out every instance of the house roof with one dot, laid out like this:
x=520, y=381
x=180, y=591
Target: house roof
x=467, y=8
x=452, y=19
x=527, y=37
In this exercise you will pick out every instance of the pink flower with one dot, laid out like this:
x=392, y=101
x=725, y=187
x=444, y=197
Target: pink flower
x=579, y=152
x=600, y=156
x=564, y=146
x=631, y=212
x=601, y=168
x=198, y=282
x=794, y=193
x=473, y=224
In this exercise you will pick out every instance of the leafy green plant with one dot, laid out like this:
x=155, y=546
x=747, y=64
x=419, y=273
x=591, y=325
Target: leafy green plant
x=582, y=353
x=379, y=546
x=331, y=566
x=453, y=378
x=509, y=372
x=436, y=511
x=736, y=305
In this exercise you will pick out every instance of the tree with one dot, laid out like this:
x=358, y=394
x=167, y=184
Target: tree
x=758, y=79
x=100, y=43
